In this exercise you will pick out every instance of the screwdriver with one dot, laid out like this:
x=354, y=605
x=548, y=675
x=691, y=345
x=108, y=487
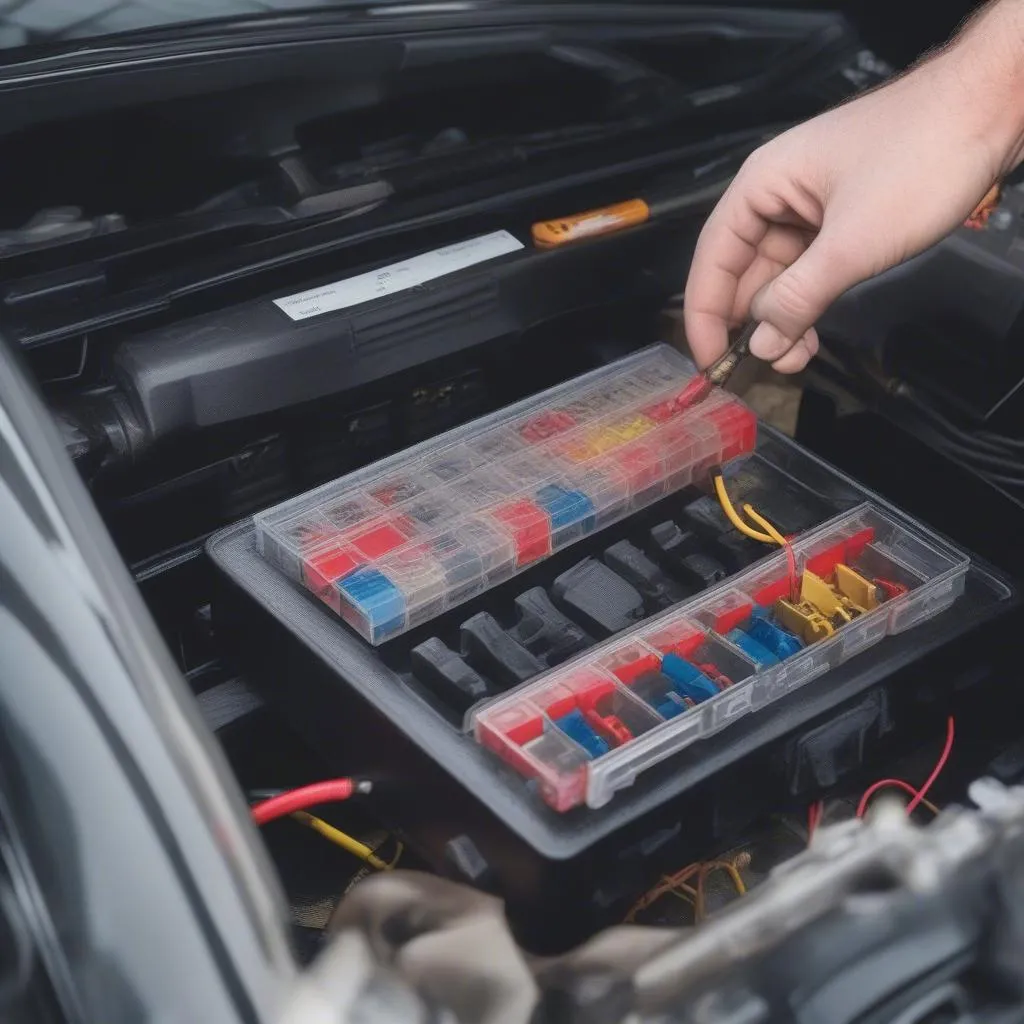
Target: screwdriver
x=699, y=188
x=606, y=220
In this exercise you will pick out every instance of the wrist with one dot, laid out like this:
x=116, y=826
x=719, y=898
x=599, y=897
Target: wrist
x=987, y=65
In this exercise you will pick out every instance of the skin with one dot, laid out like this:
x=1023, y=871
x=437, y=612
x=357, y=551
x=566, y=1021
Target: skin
x=857, y=190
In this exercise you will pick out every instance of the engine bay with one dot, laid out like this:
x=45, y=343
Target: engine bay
x=410, y=502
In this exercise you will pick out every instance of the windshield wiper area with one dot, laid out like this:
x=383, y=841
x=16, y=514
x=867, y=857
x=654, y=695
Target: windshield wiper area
x=301, y=180
x=55, y=226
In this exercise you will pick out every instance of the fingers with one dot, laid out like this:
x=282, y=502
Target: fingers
x=781, y=247
x=784, y=355
x=725, y=251
x=792, y=302
x=799, y=355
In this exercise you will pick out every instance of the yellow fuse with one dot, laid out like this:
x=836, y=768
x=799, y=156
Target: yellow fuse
x=603, y=440
x=632, y=428
x=579, y=450
x=817, y=593
x=803, y=620
x=858, y=590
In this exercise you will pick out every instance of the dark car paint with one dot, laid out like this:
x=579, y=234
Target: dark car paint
x=144, y=884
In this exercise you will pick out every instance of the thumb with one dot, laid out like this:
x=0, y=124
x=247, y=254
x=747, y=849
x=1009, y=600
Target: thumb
x=789, y=305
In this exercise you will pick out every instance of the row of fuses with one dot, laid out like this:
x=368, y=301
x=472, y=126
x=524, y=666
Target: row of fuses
x=695, y=669
x=405, y=564
x=603, y=703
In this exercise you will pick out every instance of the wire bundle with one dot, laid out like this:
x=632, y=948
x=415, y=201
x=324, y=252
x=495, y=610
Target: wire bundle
x=294, y=803
x=816, y=811
x=766, y=535
x=677, y=885
x=918, y=795
x=995, y=457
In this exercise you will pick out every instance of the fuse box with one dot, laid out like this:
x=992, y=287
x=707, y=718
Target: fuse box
x=577, y=694
x=589, y=728
x=394, y=546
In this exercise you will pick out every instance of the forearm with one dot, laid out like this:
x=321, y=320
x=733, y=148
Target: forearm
x=985, y=63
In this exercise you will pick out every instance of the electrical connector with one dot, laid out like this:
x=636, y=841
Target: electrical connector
x=657, y=690
x=753, y=649
x=825, y=605
x=804, y=620
x=687, y=679
x=576, y=727
x=861, y=592
x=772, y=636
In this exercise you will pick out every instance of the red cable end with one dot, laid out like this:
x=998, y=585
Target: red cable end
x=305, y=797
x=695, y=391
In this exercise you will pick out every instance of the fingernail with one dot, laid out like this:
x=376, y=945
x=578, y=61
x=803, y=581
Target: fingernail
x=795, y=359
x=768, y=343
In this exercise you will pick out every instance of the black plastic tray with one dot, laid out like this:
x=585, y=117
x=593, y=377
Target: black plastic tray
x=366, y=712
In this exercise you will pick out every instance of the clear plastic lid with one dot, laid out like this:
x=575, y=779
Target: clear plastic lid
x=587, y=729
x=393, y=545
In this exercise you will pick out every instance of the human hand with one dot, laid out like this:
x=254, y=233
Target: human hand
x=854, y=191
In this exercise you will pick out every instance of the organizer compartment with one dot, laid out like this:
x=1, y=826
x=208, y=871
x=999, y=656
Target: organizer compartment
x=394, y=545
x=732, y=650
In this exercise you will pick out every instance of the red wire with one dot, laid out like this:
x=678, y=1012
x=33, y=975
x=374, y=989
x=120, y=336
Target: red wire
x=302, y=798
x=939, y=765
x=917, y=794
x=814, y=816
x=862, y=807
x=794, y=582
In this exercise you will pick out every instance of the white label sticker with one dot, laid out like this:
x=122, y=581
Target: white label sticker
x=398, y=276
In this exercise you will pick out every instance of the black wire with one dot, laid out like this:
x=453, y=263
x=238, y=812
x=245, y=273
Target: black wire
x=982, y=459
x=1003, y=481
x=999, y=470
x=964, y=437
x=1000, y=439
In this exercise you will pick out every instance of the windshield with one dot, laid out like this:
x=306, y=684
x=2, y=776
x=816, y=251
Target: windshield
x=34, y=22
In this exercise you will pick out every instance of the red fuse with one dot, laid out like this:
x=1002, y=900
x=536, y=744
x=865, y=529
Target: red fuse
x=891, y=589
x=377, y=539
x=530, y=527
x=632, y=670
x=662, y=411
x=695, y=391
x=719, y=678
x=593, y=702
x=547, y=424
x=609, y=726
x=643, y=466
x=738, y=429
x=323, y=568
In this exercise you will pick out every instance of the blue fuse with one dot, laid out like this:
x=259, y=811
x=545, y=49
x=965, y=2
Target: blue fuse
x=688, y=680
x=656, y=689
x=669, y=709
x=566, y=508
x=776, y=639
x=752, y=648
x=576, y=728
x=369, y=593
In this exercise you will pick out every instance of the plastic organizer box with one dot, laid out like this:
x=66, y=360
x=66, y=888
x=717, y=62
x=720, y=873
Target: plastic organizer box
x=586, y=729
x=394, y=545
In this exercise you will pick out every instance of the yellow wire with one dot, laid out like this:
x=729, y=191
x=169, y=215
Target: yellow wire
x=717, y=865
x=762, y=522
x=734, y=517
x=346, y=842
x=675, y=885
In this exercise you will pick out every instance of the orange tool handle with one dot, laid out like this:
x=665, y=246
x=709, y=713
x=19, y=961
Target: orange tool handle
x=548, y=234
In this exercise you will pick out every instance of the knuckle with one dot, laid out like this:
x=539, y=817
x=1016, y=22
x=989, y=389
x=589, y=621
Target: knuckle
x=792, y=300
